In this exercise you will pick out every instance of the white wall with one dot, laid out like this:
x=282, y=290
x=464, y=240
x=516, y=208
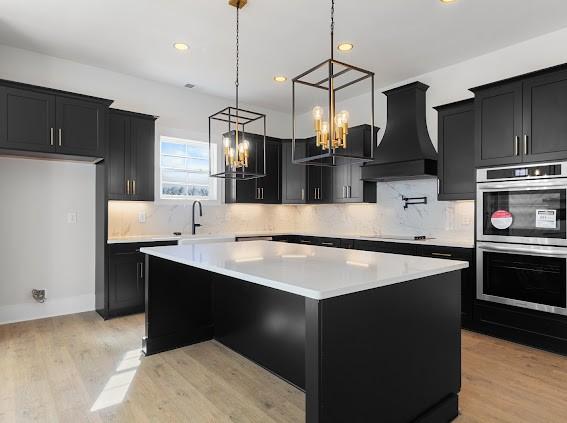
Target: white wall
x=38, y=248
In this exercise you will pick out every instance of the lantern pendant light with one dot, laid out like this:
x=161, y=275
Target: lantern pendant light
x=330, y=137
x=238, y=146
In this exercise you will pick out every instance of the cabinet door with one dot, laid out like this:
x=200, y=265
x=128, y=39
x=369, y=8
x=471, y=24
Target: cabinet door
x=27, y=119
x=386, y=247
x=498, y=122
x=245, y=191
x=118, y=157
x=456, y=152
x=341, y=182
x=356, y=190
x=545, y=117
x=269, y=185
x=80, y=127
x=126, y=284
x=142, y=147
x=294, y=176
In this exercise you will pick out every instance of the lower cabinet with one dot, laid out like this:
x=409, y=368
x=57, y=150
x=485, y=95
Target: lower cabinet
x=386, y=247
x=126, y=278
x=468, y=276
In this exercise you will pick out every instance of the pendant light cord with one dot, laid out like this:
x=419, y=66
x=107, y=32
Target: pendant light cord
x=332, y=29
x=236, y=83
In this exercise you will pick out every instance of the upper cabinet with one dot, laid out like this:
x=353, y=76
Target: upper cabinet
x=294, y=176
x=266, y=189
x=522, y=119
x=130, y=160
x=36, y=119
x=456, y=168
x=319, y=178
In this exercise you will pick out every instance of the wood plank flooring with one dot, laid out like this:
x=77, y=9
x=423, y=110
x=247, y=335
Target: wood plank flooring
x=79, y=368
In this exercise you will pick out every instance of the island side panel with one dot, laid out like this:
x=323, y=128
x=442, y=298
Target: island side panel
x=389, y=354
x=263, y=324
x=178, y=305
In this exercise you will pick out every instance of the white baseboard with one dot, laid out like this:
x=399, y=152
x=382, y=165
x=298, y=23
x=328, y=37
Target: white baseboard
x=51, y=307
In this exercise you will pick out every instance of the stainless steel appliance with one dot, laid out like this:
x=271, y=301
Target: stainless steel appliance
x=522, y=236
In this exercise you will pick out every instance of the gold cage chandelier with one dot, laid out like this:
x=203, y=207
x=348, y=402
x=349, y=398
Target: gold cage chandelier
x=330, y=140
x=238, y=146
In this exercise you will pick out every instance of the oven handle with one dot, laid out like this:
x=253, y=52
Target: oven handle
x=524, y=185
x=531, y=251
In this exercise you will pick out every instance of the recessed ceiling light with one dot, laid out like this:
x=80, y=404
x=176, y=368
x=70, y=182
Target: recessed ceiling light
x=181, y=46
x=345, y=46
x=447, y=1
x=280, y=78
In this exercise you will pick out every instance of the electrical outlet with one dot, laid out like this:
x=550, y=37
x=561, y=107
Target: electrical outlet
x=40, y=295
x=142, y=216
x=72, y=217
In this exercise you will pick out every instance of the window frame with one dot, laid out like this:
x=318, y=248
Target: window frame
x=214, y=188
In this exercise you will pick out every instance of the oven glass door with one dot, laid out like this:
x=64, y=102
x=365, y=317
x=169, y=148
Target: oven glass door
x=524, y=279
x=524, y=213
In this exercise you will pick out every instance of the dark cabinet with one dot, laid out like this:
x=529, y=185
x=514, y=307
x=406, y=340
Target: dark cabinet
x=522, y=119
x=386, y=247
x=40, y=120
x=456, y=167
x=468, y=275
x=498, y=122
x=319, y=177
x=125, y=293
x=269, y=187
x=80, y=127
x=126, y=282
x=131, y=156
x=294, y=176
x=28, y=120
x=544, y=118
x=266, y=189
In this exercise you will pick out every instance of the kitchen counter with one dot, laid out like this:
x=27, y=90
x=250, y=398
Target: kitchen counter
x=310, y=271
x=445, y=242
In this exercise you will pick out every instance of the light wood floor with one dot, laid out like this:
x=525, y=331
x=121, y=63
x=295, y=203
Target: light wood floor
x=79, y=368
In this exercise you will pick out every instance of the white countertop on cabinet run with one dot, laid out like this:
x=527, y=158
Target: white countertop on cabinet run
x=311, y=271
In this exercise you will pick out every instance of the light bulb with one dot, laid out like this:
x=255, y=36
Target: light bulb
x=325, y=127
x=226, y=142
x=246, y=145
x=346, y=116
x=317, y=113
x=241, y=147
x=339, y=119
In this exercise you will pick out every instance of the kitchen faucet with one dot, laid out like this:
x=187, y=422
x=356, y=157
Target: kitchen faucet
x=193, y=224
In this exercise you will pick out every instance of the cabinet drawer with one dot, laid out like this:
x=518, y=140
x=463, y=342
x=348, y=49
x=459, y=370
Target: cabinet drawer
x=134, y=247
x=449, y=253
x=386, y=247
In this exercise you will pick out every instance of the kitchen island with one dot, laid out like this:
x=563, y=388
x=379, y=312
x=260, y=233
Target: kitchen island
x=368, y=336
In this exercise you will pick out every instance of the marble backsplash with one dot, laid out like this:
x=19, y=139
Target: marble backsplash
x=450, y=220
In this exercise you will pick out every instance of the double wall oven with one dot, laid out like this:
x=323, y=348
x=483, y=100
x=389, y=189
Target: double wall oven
x=522, y=236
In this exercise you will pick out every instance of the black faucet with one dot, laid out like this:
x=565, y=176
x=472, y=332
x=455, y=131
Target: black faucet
x=193, y=224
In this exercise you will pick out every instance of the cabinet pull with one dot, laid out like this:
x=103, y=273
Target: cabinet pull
x=137, y=271
x=262, y=193
x=328, y=244
x=349, y=191
x=133, y=187
x=442, y=254
x=141, y=270
x=51, y=136
x=525, y=144
x=128, y=186
x=344, y=191
x=302, y=194
x=60, y=142
x=516, y=145
x=304, y=241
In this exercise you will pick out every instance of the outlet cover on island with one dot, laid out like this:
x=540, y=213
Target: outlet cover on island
x=142, y=216
x=71, y=217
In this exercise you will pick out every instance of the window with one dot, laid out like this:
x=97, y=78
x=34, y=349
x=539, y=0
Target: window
x=184, y=169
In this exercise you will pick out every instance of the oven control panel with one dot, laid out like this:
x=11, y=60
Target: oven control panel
x=524, y=172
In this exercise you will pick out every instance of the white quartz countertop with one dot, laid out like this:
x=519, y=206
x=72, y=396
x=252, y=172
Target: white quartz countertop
x=310, y=271
x=444, y=242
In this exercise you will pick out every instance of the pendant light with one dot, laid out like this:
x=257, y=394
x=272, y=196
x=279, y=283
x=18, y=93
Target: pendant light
x=244, y=152
x=329, y=144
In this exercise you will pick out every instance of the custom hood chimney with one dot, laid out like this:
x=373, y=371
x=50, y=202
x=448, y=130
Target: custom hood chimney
x=406, y=151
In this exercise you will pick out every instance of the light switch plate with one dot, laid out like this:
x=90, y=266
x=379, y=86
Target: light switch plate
x=142, y=217
x=72, y=217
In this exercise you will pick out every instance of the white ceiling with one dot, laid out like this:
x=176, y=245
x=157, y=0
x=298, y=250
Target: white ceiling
x=397, y=39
